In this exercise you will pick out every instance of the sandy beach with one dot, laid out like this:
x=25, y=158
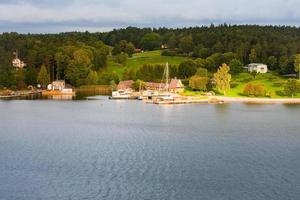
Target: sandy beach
x=259, y=100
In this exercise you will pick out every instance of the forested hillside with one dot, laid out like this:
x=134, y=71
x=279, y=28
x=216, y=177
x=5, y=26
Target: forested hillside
x=82, y=57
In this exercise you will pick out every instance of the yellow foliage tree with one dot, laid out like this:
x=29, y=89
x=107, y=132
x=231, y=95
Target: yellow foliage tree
x=222, y=79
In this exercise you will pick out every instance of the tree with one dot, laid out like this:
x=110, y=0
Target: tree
x=43, y=77
x=201, y=72
x=129, y=50
x=291, y=87
x=121, y=58
x=30, y=76
x=198, y=83
x=187, y=69
x=139, y=84
x=150, y=41
x=272, y=60
x=222, y=79
x=253, y=56
x=297, y=64
x=186, y=44
x=92, y=78
x=236, y=66
x=79, y=67
x=256, y=90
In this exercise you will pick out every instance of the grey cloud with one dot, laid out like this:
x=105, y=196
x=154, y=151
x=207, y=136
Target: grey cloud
x=60, y=15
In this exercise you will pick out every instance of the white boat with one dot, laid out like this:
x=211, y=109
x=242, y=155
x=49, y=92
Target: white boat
x=121, y=94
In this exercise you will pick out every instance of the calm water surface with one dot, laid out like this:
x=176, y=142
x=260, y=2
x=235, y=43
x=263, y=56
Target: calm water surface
x=115, y=150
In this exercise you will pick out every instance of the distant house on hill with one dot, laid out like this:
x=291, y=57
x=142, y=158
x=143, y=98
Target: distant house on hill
x=138, y=51
x=124, y=85
x=176, y=85
x=17, y=63
x=257, y=67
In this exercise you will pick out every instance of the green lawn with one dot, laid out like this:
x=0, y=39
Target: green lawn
x=272, y=82
x=139, y=59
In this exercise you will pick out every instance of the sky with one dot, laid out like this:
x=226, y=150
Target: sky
x=53, y=16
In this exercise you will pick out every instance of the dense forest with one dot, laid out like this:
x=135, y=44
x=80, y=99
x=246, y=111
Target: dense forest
x=81, y=57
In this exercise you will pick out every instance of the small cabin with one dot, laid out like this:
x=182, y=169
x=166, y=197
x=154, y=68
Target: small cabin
x=59, y=85
x=258, y=67
x=176, y=86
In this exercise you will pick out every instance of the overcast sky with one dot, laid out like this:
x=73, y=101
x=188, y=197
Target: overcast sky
x=51, y=16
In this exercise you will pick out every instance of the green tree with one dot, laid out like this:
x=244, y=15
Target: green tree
x=43, y=77
x=272, y=60
x=198, y=83
x=129, y=50
x=187, y=69
x=92, y=78
x=150, y=41
x=30, y=76
x=222, y=79
x=297, y=64
x=236, y=66
x=186, y=44
x=79, y=67
x=292, y=87
x=139, y=84
x=201, y=72
x=121, y=58
x=253, y=56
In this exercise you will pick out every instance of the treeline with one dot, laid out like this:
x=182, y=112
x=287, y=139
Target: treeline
x=273, y=45
x=73, y=56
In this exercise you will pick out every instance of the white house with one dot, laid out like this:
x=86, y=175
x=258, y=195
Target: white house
x=258, y=67
x=18, y=64
x=57, y=85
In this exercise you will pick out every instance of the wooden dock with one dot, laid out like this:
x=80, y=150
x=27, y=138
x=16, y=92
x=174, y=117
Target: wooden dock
x=185, y=101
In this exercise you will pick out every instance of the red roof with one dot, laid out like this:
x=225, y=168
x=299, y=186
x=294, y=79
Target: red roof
x=174, y=83
x=123, y=85
x=154, y=85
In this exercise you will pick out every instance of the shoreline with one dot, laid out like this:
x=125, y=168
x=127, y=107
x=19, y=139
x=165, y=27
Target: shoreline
x=259, y=100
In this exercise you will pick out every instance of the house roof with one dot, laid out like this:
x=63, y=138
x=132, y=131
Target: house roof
x=175, y=83
x=123, y=85
x=155, y=85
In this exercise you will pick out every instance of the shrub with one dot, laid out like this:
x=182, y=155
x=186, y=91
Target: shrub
x=201, y=72
x=256, y=90
x=198, y=83
x=234, y=84
x=168, y=53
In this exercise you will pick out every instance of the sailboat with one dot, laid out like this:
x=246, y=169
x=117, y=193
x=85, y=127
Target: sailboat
x=165, y=93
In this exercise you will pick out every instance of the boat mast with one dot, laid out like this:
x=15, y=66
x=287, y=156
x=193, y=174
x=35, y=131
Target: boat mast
x=167, y=76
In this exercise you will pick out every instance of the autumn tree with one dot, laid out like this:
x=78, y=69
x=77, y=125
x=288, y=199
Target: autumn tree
x=222, y=79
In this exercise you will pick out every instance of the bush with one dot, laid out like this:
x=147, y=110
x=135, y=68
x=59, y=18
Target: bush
x=234, y=84
x=121, y=58
x=201, y=72
x=198, y=83
x=278, y=84
x=256, y=90
x=168, y=53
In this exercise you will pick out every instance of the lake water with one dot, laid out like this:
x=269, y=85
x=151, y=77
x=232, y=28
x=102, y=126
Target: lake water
x=115, y=150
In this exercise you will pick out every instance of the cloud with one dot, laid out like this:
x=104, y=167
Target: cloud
x=57, y=15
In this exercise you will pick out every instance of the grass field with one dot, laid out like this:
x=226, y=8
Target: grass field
x=272, y=82
x=139, y=59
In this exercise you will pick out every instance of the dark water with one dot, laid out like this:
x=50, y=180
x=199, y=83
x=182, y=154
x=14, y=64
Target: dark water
x=117, y=150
